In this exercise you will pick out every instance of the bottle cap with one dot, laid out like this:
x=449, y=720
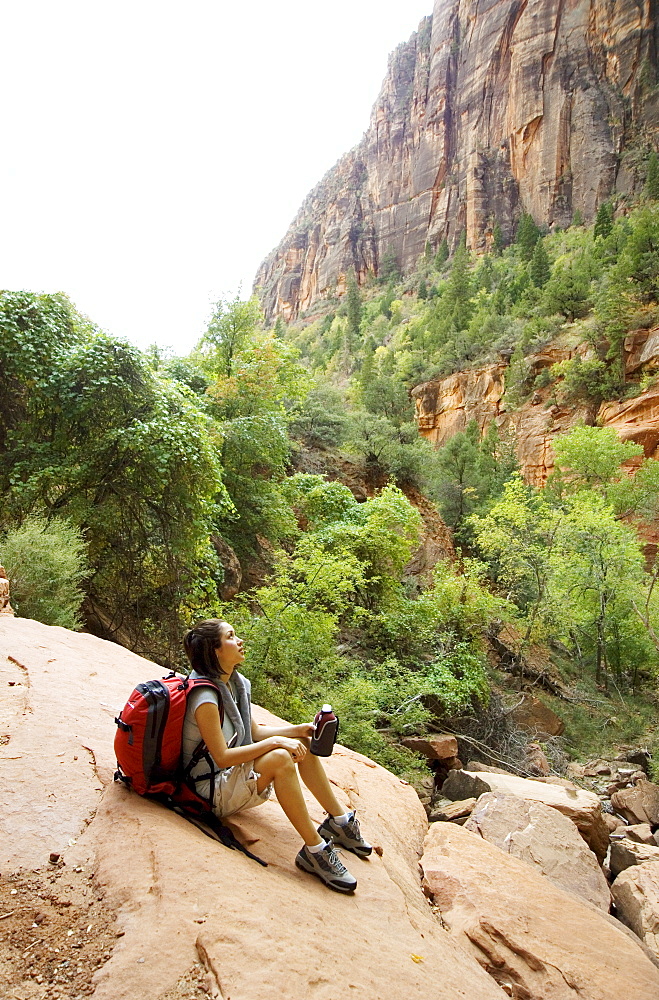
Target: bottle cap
x=326, y=708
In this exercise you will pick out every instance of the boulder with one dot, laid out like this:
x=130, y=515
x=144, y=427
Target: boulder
x=181, y=898
x=613, y=823
x=625, y=853
x=543, y=838
x=641, y=757
x=636, y=896
x=639, y=804
x=641, y=833
x=536, y=762
x=536, y=718
x=433, y=747
x=452, y=811
x=462, y=784
x=583, y=808
x=538, y=941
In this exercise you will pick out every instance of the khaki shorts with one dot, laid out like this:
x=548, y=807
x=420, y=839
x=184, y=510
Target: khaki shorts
x=235, y=789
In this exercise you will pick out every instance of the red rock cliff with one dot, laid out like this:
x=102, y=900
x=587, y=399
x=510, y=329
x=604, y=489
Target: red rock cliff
x=445, y=406
x=492, y=107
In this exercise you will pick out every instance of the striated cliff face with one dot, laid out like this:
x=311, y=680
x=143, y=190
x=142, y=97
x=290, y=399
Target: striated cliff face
x=491, y=108
x=446, y=406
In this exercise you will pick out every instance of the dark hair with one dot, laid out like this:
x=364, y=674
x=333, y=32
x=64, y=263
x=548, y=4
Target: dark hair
x=200, y=643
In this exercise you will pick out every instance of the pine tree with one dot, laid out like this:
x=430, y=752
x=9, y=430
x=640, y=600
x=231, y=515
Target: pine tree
x=577, y=218
x=354, y=306
x=458, y=295
x=604, y=220
x=539, y=268
x=389, y=269
x=280, y=328
x=427, y=252
x=442, y=254
x=497, y=240
x=423, y=289
x=652, y=177
x=528, y=235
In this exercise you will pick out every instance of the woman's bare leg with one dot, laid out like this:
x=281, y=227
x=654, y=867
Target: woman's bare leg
x=277, y=766
x=313, y=775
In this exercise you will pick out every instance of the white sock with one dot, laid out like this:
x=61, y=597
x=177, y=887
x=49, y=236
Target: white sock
x=316, y=848
x=342, y=820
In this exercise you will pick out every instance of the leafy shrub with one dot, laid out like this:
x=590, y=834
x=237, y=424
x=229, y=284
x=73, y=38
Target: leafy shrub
x=45, y=562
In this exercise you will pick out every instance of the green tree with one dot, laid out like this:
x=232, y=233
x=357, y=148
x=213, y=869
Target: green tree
x=527, y=236
x=539, y=267
x=517, y=536
x=389, y=267
x=126, y=456
x=423, y=289
x=46, y=563
x=457, y=300
x=603, y=221
x=596, y=460
x=567, y=290
x=354, y=307
x=597, y=568
x=442, y=254
x=321, y=419
x=34, y=332
x=651, y=189
x=230, y=328
x=497, y=240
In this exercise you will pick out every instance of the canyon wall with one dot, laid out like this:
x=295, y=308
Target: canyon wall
x=445, y=406
x=493, y=107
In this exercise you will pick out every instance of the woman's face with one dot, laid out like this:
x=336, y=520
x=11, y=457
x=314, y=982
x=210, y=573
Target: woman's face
x=230, y=651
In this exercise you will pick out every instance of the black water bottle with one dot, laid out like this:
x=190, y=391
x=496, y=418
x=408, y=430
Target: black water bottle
x=325, y=728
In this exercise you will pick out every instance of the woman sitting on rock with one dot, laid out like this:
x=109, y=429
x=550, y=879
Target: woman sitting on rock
x=245, y=759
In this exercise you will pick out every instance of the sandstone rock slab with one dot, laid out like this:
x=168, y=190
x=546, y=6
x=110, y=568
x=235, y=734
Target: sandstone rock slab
x=462, y=784
x=625, y=853
x=442, y=747
x=180, y=897
x=543, y=838
x=535, y=939
x=641, y=833
x=636, y=895
x=639, y=804
x=583, y=808
x=451, y=811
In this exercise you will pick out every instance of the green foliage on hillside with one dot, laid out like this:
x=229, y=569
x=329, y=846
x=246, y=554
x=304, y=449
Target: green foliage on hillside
x=123, y=474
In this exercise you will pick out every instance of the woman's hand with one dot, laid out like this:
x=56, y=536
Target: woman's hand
x=297, y=750
x=303, y=731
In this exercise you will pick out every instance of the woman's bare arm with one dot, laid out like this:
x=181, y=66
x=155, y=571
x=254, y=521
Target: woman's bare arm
x=207, y=718
x=260, y=733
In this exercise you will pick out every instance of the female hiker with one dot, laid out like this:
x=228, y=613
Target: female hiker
x=245, y=759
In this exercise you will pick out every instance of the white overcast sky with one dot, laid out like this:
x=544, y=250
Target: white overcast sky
x=154, y=152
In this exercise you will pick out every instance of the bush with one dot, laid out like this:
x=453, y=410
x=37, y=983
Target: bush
x=45, y=562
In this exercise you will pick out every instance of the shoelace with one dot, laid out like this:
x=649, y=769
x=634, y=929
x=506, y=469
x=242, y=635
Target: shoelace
x=334, y=862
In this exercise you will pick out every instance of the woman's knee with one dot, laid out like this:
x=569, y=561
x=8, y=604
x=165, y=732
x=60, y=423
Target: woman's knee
x=274, y=762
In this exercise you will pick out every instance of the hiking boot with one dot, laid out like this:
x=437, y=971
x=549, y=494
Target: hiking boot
x=326, y=866
x=348, y=836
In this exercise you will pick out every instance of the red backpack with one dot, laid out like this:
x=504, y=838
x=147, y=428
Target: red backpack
x=149, y=735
